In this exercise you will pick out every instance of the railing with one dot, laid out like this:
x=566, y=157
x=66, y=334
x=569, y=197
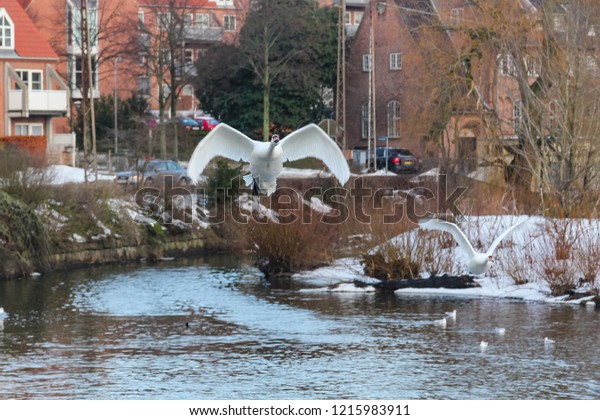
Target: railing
x=204, y=34
x=39, y=101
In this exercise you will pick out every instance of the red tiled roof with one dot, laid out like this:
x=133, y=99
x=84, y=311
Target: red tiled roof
x=29, y=42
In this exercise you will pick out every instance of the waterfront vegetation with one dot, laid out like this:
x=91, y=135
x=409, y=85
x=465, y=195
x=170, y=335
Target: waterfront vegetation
x=303, y=226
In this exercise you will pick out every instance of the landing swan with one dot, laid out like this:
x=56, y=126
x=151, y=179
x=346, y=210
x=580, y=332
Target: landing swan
x=267, y=158
x=478, y=262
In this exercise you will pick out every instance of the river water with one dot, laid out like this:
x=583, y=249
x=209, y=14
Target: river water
x=110, y=333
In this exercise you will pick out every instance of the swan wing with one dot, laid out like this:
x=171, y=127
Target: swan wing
x=311, y=141
x=451, y=228
x=224, y=141
x=503, y=235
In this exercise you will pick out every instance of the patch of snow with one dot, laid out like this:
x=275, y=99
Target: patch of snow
x=78, y=238
x=63, y=174
x=497, y=283
x=303, y=173
x=317, y=205
x=251, y=205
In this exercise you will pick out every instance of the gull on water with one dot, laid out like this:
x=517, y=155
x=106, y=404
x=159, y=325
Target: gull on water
x=451, y=314
x=483, y=345
x=500, y=330
x=440, y=322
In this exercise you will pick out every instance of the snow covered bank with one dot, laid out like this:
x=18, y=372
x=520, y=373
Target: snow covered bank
x=528, y=256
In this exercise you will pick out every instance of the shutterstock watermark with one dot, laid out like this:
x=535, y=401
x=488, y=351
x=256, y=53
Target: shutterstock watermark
x=337, y=204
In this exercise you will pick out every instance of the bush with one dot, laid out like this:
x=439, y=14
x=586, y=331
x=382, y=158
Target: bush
x=24, y=176
x=380, y=267
x=23, y=237
x=223, y=183
x=294, y=246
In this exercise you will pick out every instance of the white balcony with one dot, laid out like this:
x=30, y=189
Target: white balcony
x=38, y=102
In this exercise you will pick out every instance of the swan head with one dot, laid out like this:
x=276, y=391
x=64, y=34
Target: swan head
x=275, y=139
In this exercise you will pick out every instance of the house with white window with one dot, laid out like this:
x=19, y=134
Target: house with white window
x=33, y=95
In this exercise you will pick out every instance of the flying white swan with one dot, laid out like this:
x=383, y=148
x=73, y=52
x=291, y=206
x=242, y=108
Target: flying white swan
x=267, y=158
x=478, y=262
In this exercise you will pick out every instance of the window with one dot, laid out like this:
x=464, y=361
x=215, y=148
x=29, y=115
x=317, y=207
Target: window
x=141, y=16
x=517, y=115
x=75, y=24
x=6, y=31
x=347, y=17
x=592, y=65
x=188, y=90
x=78, y=73
x=395, y=61
x=32, y=78
x=457, y=16
x=393, y=117
x=506, y=65
x=591, y=31
x=29, y=130
x=358, y=17
x=366, y=121
x=533, y=66
x=189, y=58
x=144, y=86
x=554, y=118
x=229, y=23
x=366, y=62
x=188, y=20
x=164, y=21
x=560, y=22
x=202, y=20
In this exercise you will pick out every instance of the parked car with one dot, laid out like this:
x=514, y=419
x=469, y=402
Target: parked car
x=207, y=123
x=398, y=160
x=189, y=123
x=153, y=172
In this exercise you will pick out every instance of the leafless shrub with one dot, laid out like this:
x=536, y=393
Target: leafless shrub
x=295, y=245
x=24, y=176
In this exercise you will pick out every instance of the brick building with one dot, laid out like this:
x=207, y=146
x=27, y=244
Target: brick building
x=406, y=49
x=33, y=95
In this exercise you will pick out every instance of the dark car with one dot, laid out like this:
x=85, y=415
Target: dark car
x=153, y=172
x=189, y=123
x=398, y=160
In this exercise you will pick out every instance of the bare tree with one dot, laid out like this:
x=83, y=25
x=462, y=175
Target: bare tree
x=550, y=55
x=95, y=34
x=162, y=44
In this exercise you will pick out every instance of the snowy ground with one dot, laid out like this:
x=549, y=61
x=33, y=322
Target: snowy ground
x=524, y=245
x=62, y=174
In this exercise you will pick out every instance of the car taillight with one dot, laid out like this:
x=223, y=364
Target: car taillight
x=396, y=160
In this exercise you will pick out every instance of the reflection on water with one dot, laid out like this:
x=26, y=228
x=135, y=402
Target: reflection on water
x=214, y=329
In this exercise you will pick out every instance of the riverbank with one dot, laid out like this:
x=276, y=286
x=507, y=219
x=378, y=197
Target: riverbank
x=52, y=221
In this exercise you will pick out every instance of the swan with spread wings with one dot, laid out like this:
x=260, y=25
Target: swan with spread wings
x=266, y=158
